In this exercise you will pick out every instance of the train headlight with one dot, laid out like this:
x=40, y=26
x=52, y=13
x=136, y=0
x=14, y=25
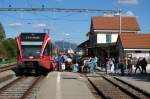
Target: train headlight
x=31, y=57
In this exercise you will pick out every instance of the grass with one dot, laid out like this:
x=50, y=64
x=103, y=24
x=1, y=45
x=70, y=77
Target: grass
x=8, y=61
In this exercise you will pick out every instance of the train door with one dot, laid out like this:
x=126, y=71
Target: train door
x=46, y=56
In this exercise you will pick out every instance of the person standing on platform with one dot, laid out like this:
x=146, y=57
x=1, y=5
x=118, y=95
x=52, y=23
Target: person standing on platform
x=111, y=62
x=75, y=67
x=129, y=66
x=122, y=66
x=94, y=60
x=60, y=61
x=107, y=65
x=65, y=59
x=143, y=65
x=138, y=65
x=92, y=65
x=116, y=65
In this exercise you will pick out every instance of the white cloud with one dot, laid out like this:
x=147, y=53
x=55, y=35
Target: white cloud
x=40, y=25
x=128, y=1
x=16, y=24
x=67, y=34
x=129, y=13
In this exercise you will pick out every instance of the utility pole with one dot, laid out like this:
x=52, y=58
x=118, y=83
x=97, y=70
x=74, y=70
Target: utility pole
x=120, y=21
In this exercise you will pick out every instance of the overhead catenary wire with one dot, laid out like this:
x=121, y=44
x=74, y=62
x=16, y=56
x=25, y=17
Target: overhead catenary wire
x=44, y=9
x=46, y=17
x=10, y=9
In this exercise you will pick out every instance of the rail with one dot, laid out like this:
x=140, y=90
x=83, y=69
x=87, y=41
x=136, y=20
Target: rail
x=31, y=87
x=134, y=87
x=122, y=88
x=7, y=67
x=108, y=90
x=19, y=88
x=109, y=87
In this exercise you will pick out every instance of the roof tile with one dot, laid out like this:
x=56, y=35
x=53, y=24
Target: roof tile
x=113, y=23
x=135, y=40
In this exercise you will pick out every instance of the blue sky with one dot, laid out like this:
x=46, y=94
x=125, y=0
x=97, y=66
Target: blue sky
x=67, y=26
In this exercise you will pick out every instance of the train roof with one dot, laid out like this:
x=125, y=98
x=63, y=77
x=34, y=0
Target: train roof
x=31, y=33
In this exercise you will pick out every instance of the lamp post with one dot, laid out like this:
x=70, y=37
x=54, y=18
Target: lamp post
x=63, y=45
x=67, y=37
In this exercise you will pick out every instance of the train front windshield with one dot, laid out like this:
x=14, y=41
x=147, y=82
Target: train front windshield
x=31, y=44
x=31, y=51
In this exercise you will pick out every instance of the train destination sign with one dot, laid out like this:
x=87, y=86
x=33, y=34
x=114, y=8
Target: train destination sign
x=32, y=36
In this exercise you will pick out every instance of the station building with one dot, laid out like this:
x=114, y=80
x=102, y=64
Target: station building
x=133, y=45
x=108, y=33
x=104, y=32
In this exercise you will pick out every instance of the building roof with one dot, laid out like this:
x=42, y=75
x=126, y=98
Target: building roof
x=135, y=41
x=84, y=44
x=113, y=23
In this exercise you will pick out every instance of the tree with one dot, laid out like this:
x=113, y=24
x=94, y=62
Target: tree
x=10, y=47
x=2, y=32
x=3, y=52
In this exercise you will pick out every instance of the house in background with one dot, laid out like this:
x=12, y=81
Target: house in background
x=133, y=45
x=104, y=32
x=83, y=47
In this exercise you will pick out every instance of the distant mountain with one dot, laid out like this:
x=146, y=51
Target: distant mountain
x=64, y=45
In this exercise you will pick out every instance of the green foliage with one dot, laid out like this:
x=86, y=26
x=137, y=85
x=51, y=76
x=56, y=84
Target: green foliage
x=2, y=51
x=2, y=32
x=13, y=60
x=10, y=46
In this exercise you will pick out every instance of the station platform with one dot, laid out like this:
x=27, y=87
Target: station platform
x=138, y=80
x=64, y=85
x=69, y=85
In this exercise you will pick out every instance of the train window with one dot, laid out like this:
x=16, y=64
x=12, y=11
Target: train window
x=47, y=50
x=51, y=49
x=138, y=51
x=31, y=51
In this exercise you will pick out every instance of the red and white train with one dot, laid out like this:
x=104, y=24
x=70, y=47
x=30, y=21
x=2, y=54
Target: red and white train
x=35, y=54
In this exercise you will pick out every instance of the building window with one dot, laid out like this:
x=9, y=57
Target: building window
x=108, y=38
x=138, y=51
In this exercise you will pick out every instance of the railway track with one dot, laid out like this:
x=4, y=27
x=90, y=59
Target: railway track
x=21, y=88
x=109, y=87
x=7, y=67
x=124, y=86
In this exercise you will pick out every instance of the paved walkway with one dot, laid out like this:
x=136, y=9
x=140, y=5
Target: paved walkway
x=138, y=80
x=64, y=85
x=141, y=82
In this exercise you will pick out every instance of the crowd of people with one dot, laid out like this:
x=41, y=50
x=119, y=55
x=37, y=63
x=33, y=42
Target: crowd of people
x=112, y=65
x=68, y=63
x=88, y=64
